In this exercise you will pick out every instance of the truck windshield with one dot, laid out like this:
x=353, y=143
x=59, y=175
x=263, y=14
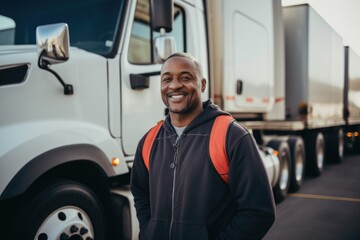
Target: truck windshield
x=93, y=24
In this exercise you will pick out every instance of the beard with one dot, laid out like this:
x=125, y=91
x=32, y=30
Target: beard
x=184, y=107
x=178, y=109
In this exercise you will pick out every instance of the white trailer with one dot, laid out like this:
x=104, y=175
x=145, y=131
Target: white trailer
x=280, y=73
x=314, y=84
x=308, y=101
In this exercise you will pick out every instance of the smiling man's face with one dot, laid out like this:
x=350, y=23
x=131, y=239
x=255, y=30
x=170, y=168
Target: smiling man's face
x=181, y=87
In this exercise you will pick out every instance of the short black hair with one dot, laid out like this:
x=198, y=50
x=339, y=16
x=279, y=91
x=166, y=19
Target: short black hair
x=189, y=57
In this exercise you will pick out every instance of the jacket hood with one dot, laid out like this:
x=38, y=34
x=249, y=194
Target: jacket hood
x=210, y=111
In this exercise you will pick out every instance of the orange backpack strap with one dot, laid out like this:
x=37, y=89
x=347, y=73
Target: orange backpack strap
x=217, y=146
x=149, y=141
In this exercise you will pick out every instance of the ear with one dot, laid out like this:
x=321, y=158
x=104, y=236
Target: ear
x=203, y=85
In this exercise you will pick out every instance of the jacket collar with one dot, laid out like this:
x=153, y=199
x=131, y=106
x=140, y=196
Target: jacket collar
x=209, y=113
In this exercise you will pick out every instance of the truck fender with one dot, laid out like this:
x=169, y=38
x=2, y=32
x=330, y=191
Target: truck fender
x=51, y=159
x=41, y=145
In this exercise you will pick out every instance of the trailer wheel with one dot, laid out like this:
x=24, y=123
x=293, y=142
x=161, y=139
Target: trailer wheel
x=352, y=139
x=335, y=151
x=281, y=188
x=65, y=210
x=356, y=145
x=297, y=154
x=315, y=150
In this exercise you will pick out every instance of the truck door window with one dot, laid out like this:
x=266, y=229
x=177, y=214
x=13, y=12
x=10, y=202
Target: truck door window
x=7, y=30
x=141, y=40
x=93, y=25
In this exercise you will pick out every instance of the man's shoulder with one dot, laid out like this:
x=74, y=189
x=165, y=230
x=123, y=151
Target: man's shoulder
x=237, y=129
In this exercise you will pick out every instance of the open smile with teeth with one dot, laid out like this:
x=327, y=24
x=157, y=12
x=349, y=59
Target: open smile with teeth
x=177, y=96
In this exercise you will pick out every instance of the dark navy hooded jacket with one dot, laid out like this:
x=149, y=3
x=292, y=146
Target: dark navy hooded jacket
x=184, y=197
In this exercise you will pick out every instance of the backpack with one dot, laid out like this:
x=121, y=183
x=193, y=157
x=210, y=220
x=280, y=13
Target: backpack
x=217, y=145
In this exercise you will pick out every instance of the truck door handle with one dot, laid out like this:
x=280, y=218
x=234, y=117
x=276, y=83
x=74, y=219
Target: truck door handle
x=138, y=81
x=142, y=80
x=239, y=86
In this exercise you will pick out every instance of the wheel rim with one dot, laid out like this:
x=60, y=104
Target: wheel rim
x=320, y=150
x=341, y=143
x=284, y=179
x=299, y=166
x=68, y=222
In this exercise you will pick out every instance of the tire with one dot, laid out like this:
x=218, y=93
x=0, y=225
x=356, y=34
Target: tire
x=356, y=143
x=356, y=146
x=335, y=152
x=281, y=188
x=65, y=208
x=121, y=217
x=315, y=158
x=297, y=156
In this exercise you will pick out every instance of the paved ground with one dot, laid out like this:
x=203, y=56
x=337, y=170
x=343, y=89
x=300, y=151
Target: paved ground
x=327, y=207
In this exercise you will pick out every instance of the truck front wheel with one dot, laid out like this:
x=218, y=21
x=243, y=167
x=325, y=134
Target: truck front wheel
x=64, y=210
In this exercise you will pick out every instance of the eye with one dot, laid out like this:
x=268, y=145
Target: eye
x=185, y=78
x=166, y=79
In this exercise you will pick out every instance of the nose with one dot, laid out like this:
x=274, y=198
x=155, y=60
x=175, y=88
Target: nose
x=175, y=84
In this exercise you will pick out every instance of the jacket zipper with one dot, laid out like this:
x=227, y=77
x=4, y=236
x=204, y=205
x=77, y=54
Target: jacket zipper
x=173, y=166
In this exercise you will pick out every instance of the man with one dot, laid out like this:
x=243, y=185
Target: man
x=182, y=196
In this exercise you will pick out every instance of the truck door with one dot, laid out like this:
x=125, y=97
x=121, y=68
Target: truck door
x=141, y=104
x=248, y=54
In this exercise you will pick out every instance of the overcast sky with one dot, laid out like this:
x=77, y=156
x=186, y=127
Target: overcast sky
x=342, y=15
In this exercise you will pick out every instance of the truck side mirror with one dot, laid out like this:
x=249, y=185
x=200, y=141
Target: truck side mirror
x=162, y=13
x=164, y=46
x=53, y=47
x=53, y=43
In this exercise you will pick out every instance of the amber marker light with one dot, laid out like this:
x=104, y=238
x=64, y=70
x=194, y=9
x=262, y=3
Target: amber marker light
x=356, y=134
x=276, y=153
x=115, y=161
x=349, y=134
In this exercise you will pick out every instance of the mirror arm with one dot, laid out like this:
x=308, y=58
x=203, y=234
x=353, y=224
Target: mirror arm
x=43, y=64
